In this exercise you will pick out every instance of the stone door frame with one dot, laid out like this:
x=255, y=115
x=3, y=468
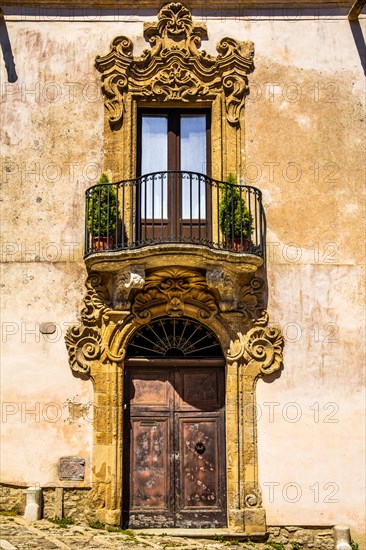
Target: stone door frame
x=97, y=349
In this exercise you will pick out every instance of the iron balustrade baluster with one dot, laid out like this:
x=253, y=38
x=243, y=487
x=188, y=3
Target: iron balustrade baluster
x=153, y=208
x=139, y=225
x=123, y=226
x=162, y=208
x=181, y=186
x=218, y=213
x=263, y=231
x=242, y=211
x=171, y=204
x=99, y=215
x=87, y=247
x=256, y=216
x=249, y=203
x=116, y=217
x=208, y=194
x=134, y=197
x=232, y=236
x=241, y=217
x=91, y=218
x=199, y=209
x=108, y=212
x=145, y=213
x=190, y=205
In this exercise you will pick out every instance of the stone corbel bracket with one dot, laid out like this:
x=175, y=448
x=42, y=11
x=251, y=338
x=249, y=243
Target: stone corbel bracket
x=227, y=287
x=175, y=69
x=125, y=281
x=246, y=301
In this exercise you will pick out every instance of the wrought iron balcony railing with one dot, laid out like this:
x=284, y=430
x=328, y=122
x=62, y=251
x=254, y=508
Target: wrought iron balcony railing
x=174, y=207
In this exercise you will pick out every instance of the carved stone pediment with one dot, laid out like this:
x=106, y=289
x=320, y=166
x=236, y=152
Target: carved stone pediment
x=172, y=292
x=175, y=69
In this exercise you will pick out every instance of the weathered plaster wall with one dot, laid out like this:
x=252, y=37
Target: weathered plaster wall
x=304, y=124
x=305, y=151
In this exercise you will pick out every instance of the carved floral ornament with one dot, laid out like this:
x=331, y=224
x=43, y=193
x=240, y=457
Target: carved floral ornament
x=135, y=299
x=175, y=69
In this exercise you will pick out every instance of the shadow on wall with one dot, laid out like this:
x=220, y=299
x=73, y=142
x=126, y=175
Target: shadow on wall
x=7, y=51
x=359, y=41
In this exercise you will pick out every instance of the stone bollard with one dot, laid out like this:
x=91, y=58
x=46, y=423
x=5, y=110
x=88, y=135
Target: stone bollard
x=32, y=510
x=342, y=537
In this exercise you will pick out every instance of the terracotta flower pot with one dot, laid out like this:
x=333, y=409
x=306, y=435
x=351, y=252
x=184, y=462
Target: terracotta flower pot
x=239, y=244
x=102, y=243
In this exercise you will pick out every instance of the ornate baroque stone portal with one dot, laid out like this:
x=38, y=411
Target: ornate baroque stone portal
x=220, y=290
x=97, y=349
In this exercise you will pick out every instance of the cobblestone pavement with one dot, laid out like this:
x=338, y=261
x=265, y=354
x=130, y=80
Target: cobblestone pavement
x=17, y=534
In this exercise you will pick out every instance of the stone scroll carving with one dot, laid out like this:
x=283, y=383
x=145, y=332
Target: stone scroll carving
x=261, y=347
x=175, y=69
x=84, y=341
x=253, y=499
x=94, y=338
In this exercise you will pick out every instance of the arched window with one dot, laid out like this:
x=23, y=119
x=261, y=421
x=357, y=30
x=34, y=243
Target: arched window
x=172, y=337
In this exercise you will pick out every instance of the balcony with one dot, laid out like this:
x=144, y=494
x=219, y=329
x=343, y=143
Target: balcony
x=174, y=212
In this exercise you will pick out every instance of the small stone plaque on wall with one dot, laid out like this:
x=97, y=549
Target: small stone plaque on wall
x=71, y=468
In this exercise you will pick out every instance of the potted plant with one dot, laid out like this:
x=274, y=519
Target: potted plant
x=236, y=222
x=102, y=207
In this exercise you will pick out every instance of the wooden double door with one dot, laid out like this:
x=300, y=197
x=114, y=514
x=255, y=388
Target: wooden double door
x=174, y=441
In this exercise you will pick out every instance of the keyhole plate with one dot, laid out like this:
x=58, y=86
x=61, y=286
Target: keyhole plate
x=200, y=448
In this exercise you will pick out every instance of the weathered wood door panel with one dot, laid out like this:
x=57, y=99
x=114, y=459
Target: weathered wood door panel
x=148, y=447
x=174, y=460
x=200, y=487
x=149, y=456
x=199, y=437
x=199, y=389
